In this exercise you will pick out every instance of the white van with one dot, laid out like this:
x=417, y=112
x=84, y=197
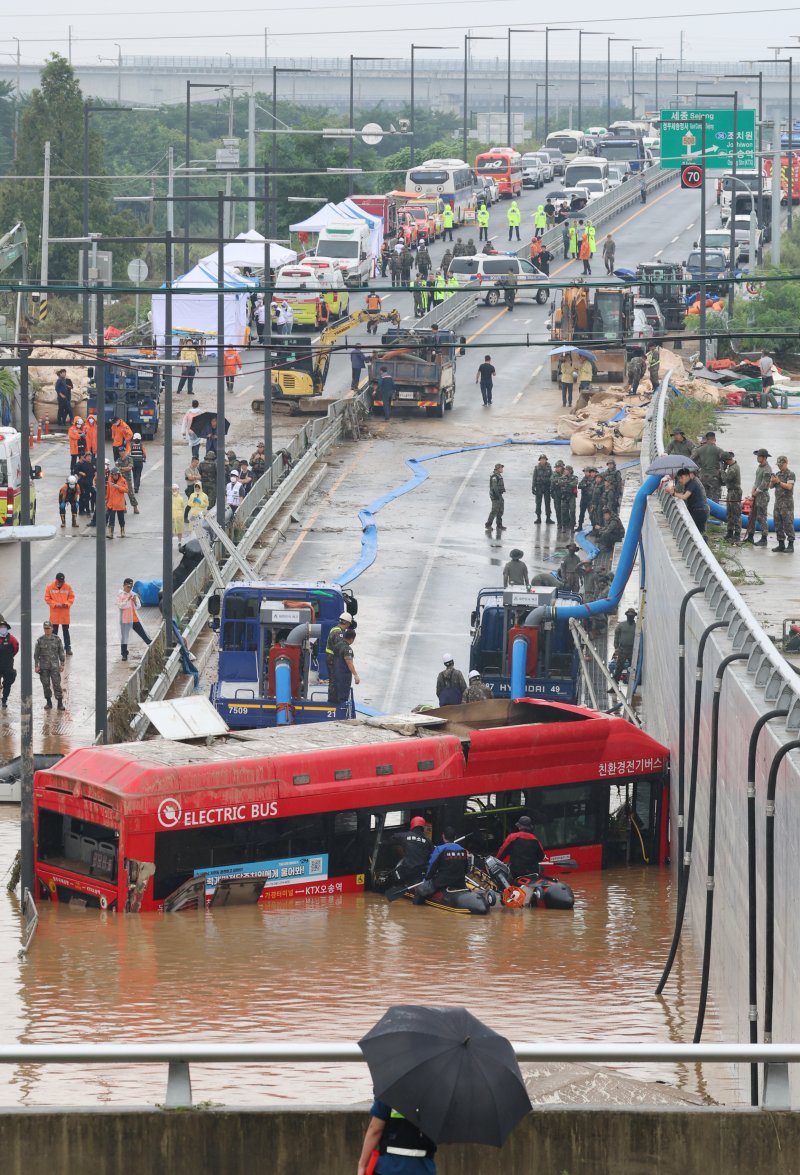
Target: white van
x=316, y=292
x=349, y=245
x=11, y=456
x=586, y=167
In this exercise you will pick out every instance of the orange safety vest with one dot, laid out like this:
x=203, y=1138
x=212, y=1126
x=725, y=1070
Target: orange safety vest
x=120, y=433
x=373, y=303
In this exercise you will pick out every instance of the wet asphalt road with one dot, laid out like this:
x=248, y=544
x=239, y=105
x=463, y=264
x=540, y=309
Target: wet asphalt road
x=433, y=554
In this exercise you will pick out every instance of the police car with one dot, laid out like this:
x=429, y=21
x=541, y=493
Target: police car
x=485, y=270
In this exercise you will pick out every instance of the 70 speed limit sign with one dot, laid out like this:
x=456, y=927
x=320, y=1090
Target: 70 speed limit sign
x=692, y=175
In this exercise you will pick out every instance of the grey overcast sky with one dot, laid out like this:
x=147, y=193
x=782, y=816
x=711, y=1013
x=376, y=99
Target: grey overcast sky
x=711, y=30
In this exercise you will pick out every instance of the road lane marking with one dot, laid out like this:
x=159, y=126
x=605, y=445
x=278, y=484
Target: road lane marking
x=658, y=254
x=674, y=239
x=246, y=388
x=517, y=398
x=639, y=212
x=326, y=501
x=486, y=325
x=690, y=226
x=536, y=371
x=422, y=587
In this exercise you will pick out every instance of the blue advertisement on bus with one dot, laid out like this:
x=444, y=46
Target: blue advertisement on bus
x=288, y=869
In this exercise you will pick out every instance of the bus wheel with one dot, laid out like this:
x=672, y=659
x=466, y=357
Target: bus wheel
x=492, y=298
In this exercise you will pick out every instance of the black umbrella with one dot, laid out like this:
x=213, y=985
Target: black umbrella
x=201, y=423
x=671, y=463
x=449, y=1074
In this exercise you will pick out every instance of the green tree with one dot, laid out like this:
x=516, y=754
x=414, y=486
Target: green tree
x=55, y=113
x=7, y=110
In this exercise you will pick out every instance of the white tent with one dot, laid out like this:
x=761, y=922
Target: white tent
x=196, y=313
x=347, y=210
x=248, y=251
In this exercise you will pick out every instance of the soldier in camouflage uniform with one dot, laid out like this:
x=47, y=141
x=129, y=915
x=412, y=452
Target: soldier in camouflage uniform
x=540, y=487
x=783, y=509
x=613, y=479
x=569, y=498
x=598, y=499
x=607, y=536
x=497, y=489
x=732, y=480
x=557, y=492
x=679, y=446
x=570, y=570
x=208, y=477
x=585, y=489
x=759, y=510
x=708, y=456
x=48, y=661
x=125, y=466
x=476, y=691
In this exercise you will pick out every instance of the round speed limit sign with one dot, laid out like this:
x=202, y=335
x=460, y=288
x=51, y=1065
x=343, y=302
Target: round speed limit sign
x=691, y=175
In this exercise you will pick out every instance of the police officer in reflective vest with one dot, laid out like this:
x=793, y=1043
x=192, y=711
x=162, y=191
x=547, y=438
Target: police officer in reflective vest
x=448, y=220
x=402, y=1147
x=483, y=223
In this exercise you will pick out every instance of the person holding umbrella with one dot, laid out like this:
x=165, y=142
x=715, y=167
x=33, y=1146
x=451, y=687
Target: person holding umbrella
x=402, y=1147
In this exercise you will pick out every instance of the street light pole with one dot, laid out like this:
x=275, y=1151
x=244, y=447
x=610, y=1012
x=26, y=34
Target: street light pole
x=734, y=156
x=412, y=142
x=634, y=50
x=789, y=133
x=608, y=75
x=547, y=33
x=581, y=34
x=353, y=58
x=467, y=38
x=272, y=222
x=760, y=164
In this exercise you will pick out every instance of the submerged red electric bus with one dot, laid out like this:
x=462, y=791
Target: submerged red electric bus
x=289, y=812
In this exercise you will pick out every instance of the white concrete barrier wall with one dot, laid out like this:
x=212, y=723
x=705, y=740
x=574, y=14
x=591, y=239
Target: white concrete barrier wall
x=742, y=703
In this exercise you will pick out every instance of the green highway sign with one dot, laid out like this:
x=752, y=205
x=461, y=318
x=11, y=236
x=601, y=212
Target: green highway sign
x=681, y=138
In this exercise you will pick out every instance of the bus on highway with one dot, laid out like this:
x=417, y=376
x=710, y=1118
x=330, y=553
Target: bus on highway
x=586, y=167
x=450, y=179
x=630, y=151
x=504, y=166
x=570, y=143
x=307, y=813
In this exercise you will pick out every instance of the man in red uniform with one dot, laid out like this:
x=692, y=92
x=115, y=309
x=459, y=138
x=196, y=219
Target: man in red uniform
x=522, y=850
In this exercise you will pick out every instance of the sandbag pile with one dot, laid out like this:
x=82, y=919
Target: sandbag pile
x=43, y=381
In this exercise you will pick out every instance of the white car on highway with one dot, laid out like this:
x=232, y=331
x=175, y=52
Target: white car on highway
x=484, y=270
x=595, y=188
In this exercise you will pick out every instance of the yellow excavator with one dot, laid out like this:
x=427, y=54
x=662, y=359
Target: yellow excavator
x=598, y=320
x=300, y=367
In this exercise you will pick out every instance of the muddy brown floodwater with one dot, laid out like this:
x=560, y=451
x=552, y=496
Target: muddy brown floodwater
x=327, y=970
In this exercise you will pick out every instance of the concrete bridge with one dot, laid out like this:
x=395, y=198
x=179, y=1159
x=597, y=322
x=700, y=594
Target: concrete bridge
x=439, y=83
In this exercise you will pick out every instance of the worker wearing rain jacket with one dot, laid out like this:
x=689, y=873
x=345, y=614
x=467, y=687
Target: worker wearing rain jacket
x=448, y=219
x=539, y=220
x=573, y=240
x=483, y=223
x=514, y=218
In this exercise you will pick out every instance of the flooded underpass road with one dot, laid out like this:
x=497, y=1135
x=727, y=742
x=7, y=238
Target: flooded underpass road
x=326, y=970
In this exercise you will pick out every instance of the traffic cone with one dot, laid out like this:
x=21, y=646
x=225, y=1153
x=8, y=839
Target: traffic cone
x=47, y=426
x=38, y=431
x=30, y=438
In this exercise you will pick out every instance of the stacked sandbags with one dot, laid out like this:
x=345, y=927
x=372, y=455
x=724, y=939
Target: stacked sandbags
x=43, y=381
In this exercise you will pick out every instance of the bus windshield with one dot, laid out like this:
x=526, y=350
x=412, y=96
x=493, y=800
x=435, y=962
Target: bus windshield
x=433, y=178
x=563, y=143
x=621, y=149
x=492, y=164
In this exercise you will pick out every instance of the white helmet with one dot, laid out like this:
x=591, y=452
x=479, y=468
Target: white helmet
x=137, y=436
x=77, y=420
x=72, y=480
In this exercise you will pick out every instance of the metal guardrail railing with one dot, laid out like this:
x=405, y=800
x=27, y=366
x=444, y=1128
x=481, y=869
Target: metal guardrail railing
x=255, y=512
x=772, y=675
x=179, y=1057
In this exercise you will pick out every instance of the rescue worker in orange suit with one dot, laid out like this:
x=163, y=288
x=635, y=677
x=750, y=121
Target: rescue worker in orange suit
x=121, y=434
x=416, y=852
x=373, y=310
x=522, y=850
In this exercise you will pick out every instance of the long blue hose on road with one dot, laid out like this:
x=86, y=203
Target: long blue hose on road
x=369, y=527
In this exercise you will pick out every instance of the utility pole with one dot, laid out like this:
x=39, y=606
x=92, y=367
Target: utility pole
x=45, y=233
x=221, y=359
x=26, y=646
x=166, y=524
x=100, y=584
x=267, y=340
x=251, y=160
